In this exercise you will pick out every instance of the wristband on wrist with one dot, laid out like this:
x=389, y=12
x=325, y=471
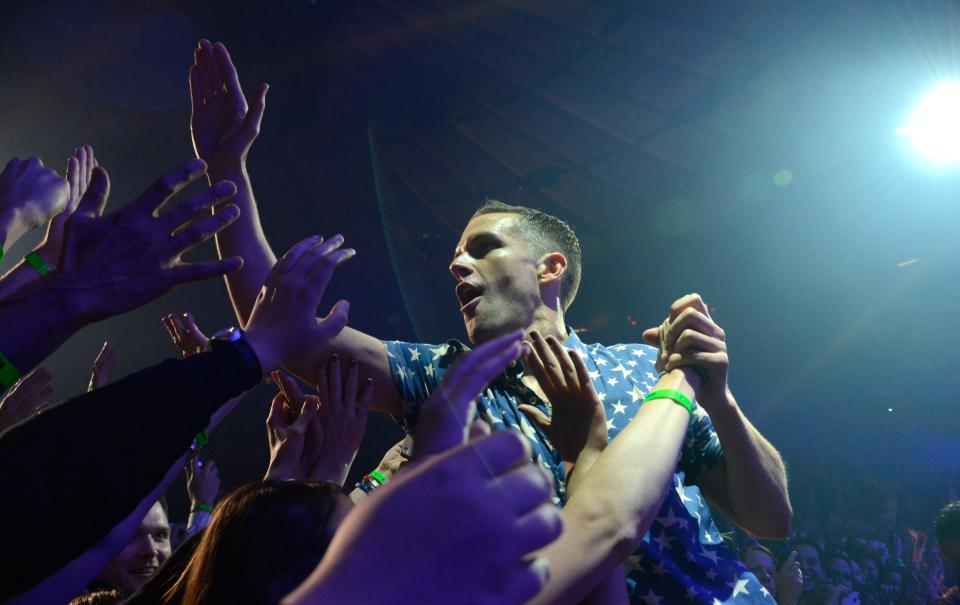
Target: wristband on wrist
x=201, y=508
x=8, y=373
x=39, y=265
x=379, y=477
x=675, y=396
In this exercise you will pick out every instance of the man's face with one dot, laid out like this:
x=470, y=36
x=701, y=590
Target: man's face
x=497, y=284
x=870, y=571
x=838, y=572
x=950, y=553
x=149, y=548
x=810, y=564
x=761, y=564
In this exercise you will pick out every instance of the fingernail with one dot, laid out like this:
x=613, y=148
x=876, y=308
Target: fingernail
x=196, y=166
x=223, y=187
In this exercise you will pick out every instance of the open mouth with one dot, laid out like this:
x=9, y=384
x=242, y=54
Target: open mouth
x=469, y=296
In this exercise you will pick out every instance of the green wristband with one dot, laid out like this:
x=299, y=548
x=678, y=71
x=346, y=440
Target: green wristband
x=40, y=266
x=8, y=373
x=202, y=438
x=675, y=396
x=380, y=477
x=202, y=507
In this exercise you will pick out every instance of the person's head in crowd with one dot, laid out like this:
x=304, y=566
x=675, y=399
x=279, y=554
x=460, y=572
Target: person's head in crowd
x=512, y=265
x=808, y=555
x=871, y=570
x=837, y=571
x=947, y=530
x=856, y=576
x=263, y=541
x=890, y=584
x=140, y=559
x=99, y=597
x=761, y=562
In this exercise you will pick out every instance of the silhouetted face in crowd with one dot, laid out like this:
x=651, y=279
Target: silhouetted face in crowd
x=141, y=558
x=838, y=573
x=809, y=560
x=870, y=571
x=497, y=284
x=762, y=566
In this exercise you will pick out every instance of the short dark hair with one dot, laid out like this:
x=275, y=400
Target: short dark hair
x=947, y=525
x=545, y=233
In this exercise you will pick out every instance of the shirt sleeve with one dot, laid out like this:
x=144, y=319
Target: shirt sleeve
x=416, y=370
x=701, y=450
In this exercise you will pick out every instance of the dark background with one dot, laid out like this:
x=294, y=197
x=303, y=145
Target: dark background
x=656, y=128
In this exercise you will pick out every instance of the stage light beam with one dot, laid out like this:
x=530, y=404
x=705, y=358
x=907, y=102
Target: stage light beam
x=934, y=127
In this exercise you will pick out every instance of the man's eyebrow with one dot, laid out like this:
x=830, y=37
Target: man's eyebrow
x=483, y=235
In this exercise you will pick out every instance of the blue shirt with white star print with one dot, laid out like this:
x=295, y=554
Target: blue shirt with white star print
x=682, y=558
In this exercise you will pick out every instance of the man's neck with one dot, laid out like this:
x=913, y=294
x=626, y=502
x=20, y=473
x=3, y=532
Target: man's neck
x=548, y=322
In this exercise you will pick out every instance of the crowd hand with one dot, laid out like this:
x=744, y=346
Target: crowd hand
x=30, y=195
x=122, y=260
x=446, y=416
x=203, y=481
x=283, y=324
x=577, y=420
x=322, y=446
x=186, y=336
x=397, y=457
x=789, y=581
x=689, y=338
x=919, y=541
x=222, y=126
x=80, y=167
x=101, y=366
x=26, y=397
x=484, y=551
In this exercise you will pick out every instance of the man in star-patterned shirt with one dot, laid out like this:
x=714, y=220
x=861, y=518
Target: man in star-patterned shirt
x=519, y=269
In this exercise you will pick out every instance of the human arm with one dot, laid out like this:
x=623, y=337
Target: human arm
x=101, y=366
x=80, y=167
x=29, y=195
x=223, y=128
x=203, y=485
x=393, y=460
x=749, y=484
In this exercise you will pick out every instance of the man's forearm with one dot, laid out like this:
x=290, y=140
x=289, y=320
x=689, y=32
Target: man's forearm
x=244, y=238
x=753, y=475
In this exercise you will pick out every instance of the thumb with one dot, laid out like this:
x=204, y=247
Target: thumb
x=94, y=199
x=479, y=429
x=335, y=321
x=251, y=123
x=790, y=560
x=651, y=336
x=536, y=416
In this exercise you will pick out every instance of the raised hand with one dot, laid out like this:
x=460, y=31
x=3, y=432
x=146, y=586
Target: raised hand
x=446, y=416
x=577, y=419
x=30, y=195
x=25, y=398
x=484, y=551
x=122, y=260
x=222, y=126
x=101, y=365
x=79, y=172
x=203, y=481
x=789, y=581
x=186, y=336
x=283, y=324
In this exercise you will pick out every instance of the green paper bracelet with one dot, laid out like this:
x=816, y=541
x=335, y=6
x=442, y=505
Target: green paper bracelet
x=39, y=265
x=8, y=373
x=675, y=396
x=202, y=438
x=202, y=507
x=380, y=477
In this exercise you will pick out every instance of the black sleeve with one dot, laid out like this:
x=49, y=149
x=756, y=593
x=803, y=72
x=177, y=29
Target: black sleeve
x=72, y=473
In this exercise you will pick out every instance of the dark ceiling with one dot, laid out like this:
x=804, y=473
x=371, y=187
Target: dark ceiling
x=744, y=150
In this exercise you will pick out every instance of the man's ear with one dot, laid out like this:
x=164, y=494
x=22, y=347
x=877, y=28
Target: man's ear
x=551, y=268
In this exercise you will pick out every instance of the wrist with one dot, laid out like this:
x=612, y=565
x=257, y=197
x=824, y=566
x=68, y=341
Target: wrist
x=262, y=345
x=684, y=380
x=234, y=169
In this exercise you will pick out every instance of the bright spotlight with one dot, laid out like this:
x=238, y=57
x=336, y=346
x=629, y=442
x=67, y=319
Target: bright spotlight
x=934, y=127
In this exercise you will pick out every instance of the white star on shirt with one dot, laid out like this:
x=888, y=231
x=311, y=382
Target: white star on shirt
x=619, y=348
x=651, y=598
x=611, y=425
x=659, y=569
x=670, y=520
x=429, y=371
x=593, y=374
x=439, y=352
x=691, y=593
x=623, y=370
x=711, y=575
x=601, y=361
x=665, y=541
x=401, y=372
x=619, y=408
x=683, y=495
x=638, y=352
x=764, y=591
x=709, y=554
x=741, y=587
x=612, y=380
x=636, y=394
x=601, y=396
x=414, y=354
x=717, y=601
x=652, y=376
x=632, y=363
